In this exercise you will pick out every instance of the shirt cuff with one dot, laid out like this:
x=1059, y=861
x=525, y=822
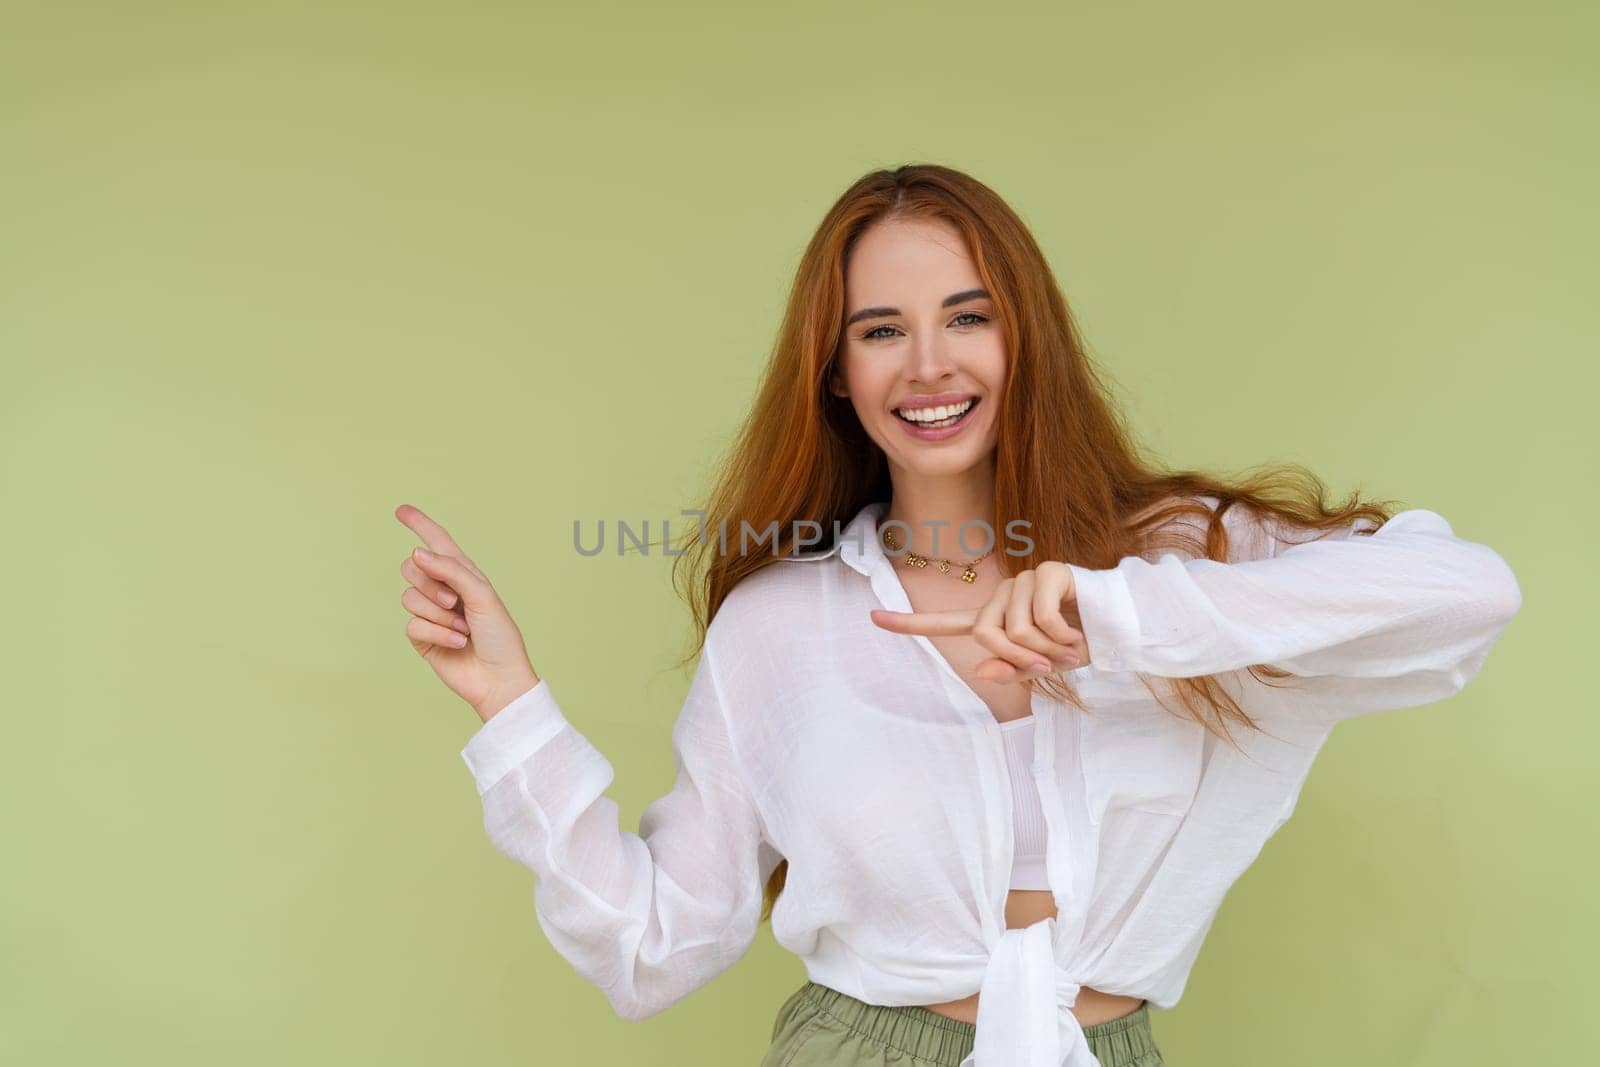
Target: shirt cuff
x=512, y=734
x=1110, y=622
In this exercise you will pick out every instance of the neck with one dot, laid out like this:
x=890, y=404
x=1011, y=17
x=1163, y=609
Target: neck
x=935, y=510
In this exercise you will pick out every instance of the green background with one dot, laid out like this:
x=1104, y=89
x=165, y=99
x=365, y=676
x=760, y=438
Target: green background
x=267, y=274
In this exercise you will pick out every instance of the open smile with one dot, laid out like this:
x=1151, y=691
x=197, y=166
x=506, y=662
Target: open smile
x=932, y=423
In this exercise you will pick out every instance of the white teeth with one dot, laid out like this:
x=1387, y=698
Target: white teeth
x=934, y=414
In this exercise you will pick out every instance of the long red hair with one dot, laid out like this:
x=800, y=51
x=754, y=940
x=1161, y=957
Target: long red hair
x=1066, y=460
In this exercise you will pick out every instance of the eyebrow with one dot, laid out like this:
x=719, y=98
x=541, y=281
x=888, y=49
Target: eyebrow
x=949, y=301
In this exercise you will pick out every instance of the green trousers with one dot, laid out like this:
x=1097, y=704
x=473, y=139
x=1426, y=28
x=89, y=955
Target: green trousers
x=819, y=1026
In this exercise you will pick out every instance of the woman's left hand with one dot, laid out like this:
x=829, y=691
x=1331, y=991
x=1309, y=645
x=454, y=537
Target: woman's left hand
x=1025, y=624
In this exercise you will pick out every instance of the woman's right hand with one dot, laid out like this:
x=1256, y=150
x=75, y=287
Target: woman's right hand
x=458, y=624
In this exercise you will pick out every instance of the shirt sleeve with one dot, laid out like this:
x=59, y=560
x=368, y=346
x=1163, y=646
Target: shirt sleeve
x=646, y=917
x=1391, y=617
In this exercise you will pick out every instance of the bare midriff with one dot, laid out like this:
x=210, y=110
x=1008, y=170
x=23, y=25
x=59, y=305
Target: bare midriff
x=1024, y=907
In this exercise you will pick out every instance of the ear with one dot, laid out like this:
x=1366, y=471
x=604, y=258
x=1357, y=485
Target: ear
x=836, y=384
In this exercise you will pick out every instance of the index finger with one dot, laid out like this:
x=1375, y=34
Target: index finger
x=433, y=535
x=932, y=623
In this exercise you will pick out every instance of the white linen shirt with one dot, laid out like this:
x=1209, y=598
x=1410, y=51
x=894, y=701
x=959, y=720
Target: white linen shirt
x=865, y=759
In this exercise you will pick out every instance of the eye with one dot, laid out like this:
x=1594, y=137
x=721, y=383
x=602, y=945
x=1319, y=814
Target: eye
x=872, y=334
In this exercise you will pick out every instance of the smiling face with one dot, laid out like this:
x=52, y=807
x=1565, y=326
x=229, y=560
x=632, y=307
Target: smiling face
x=923, y=359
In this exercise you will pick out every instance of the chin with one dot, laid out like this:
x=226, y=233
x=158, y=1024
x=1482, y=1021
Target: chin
x=943, y=465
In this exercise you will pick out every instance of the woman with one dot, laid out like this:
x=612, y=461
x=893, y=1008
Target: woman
x=1015, y=710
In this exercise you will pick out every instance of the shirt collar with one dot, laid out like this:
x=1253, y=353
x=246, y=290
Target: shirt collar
x=858, y=541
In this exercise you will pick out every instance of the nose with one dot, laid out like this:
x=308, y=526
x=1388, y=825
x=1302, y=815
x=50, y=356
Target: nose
x=928, y=359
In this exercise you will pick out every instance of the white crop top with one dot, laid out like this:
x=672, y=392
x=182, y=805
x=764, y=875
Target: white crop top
x=1027, y=814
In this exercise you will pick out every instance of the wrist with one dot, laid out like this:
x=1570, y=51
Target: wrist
x=503, y=694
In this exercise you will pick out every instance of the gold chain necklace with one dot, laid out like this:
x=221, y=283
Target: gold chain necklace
x=968, y=575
